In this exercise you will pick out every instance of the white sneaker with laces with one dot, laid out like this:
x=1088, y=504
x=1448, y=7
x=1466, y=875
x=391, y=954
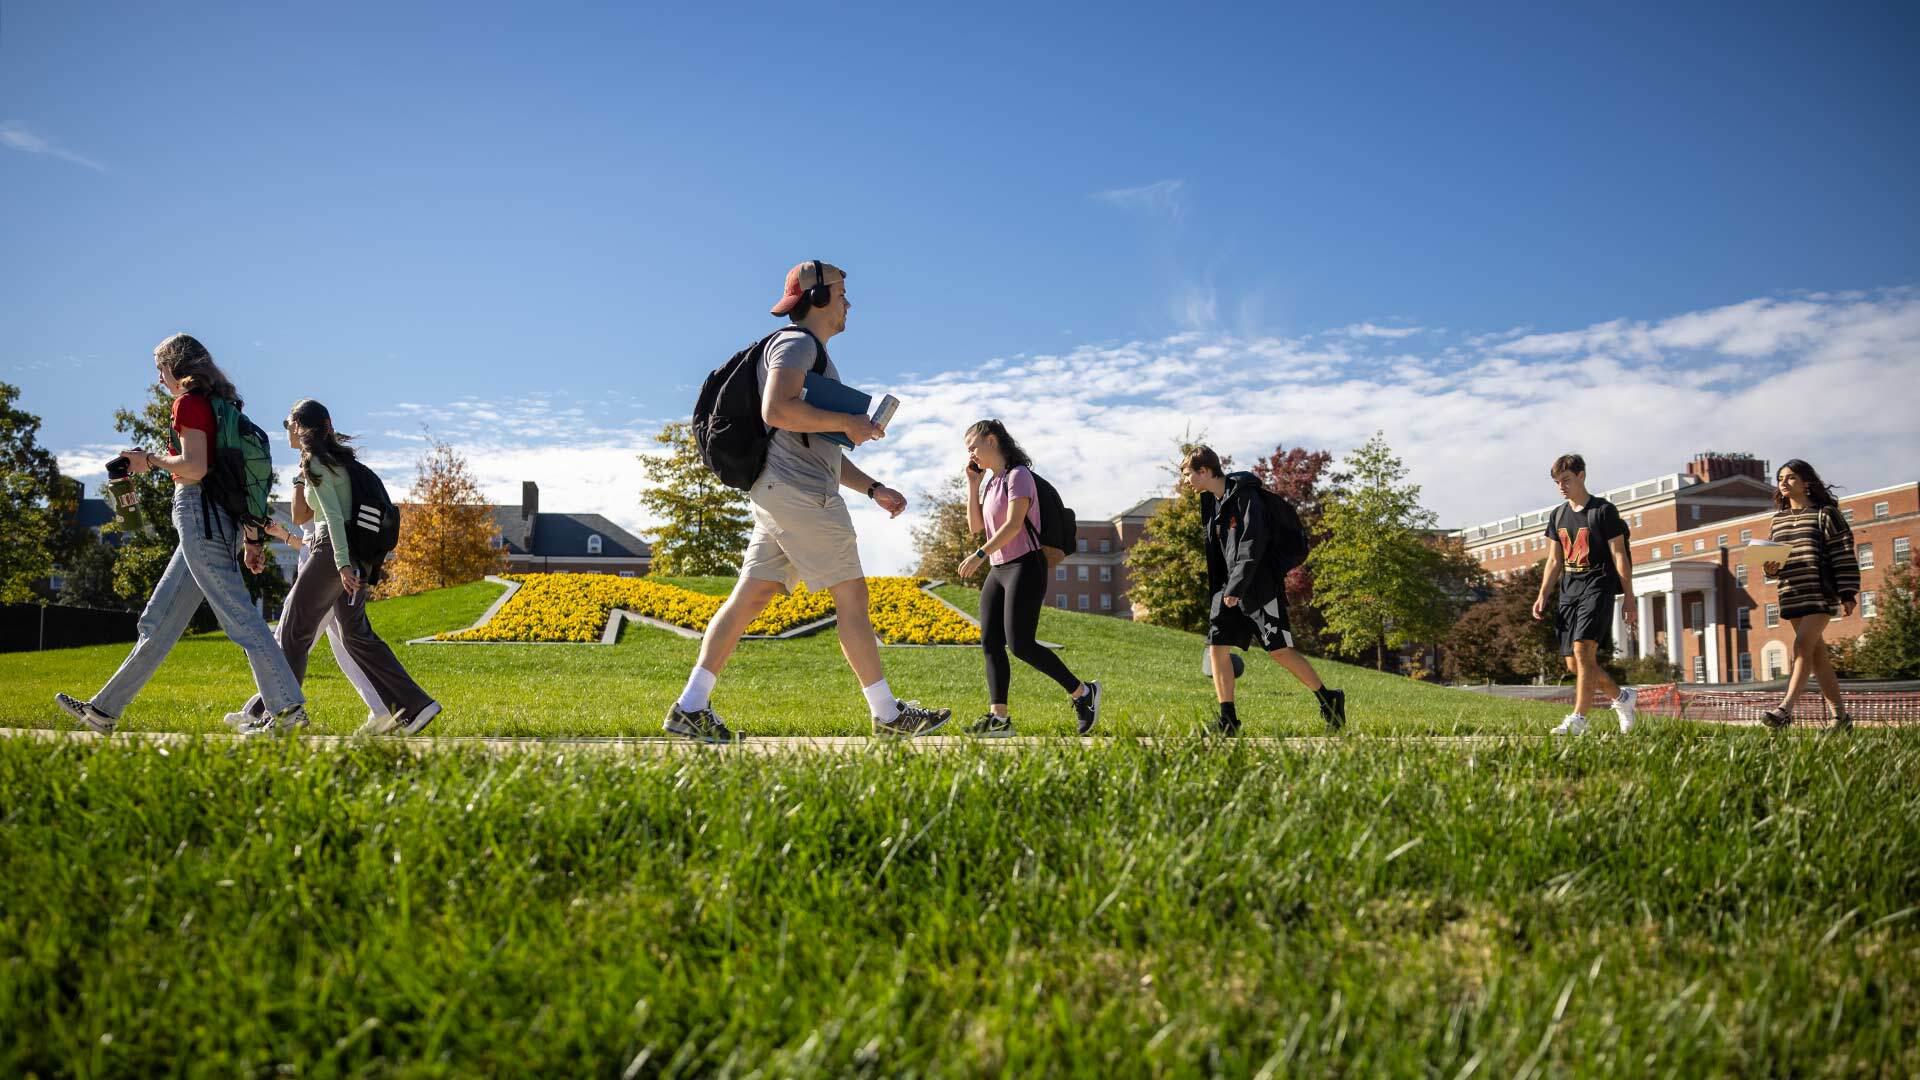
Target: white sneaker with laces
x=238, y=720
x=1623, y=707
x=1574, y=724
x=378, y=723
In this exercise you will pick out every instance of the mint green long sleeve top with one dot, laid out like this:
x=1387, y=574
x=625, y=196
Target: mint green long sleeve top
x=330, y=495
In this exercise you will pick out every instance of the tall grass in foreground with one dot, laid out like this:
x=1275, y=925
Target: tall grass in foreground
x=1667, y=905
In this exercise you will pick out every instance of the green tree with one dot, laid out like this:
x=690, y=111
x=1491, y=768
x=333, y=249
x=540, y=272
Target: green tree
x=1379, y=580
x=1169, y=563
x=143, y=555
x=942, y=539
x=31, y=489
x=1498, y=640
x=1890, y=648
x=88, y=575
x=706, y=523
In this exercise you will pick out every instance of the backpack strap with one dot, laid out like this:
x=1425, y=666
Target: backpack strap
x=819, y=360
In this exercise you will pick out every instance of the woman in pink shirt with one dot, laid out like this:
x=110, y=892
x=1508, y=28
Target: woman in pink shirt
x=1002, y=501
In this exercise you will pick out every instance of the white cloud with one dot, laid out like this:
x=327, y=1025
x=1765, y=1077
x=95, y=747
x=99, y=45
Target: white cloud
x=1163, y=197
x=14, y=137
x=1369, y=330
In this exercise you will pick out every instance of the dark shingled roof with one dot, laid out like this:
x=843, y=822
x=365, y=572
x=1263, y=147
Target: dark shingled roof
x=557, y=535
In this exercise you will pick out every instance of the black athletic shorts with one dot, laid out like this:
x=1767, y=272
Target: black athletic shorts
x=1240, y=627
x=1584, y=614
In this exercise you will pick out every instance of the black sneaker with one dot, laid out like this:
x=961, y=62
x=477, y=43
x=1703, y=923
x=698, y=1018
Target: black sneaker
x=1333, y=709
x=96, y=721
x=1086, y=708
x=1777, y=718
x=700, y=725
x=913, y=720
x=1224, y=727
x=992, y=727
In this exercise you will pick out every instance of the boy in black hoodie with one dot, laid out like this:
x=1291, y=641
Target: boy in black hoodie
x=1248, y=585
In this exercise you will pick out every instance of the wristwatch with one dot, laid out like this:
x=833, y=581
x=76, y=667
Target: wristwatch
x=873, y=487
x=980, y=552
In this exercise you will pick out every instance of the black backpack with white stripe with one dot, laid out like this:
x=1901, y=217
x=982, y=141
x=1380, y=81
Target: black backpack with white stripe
x=373, y=523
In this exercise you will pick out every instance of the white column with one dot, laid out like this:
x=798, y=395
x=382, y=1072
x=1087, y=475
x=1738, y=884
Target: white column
x=1674, y=653
x=1714, y=673
x=1645, y=642
x=1620, y=627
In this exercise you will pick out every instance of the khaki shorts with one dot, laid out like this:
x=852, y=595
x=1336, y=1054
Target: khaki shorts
x=799, y=536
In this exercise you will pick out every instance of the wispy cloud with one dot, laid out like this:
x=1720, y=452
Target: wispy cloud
x=1162, y=197
x=1369, y=330
x=1834, y=379
x=15, y=137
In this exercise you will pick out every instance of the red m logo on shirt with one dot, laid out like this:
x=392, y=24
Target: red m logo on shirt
x=1574, y=547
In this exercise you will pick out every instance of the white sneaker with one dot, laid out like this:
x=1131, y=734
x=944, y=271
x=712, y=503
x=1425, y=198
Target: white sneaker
x=96, y=721
x=239, y=720
x=277, y=724
x=1574, y=724
x=1623, y=707
x=413, y=725
x=379, y=723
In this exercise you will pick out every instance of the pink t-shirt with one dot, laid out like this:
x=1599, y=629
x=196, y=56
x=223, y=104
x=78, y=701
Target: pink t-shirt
x=996, y=497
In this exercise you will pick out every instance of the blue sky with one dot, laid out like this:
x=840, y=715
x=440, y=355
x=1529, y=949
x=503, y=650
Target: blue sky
x=533, y=229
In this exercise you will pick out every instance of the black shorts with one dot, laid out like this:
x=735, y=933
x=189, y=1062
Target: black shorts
x=1584, y=615
x=1240, y=627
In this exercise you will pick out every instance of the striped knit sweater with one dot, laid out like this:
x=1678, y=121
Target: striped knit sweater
x=1821, y=563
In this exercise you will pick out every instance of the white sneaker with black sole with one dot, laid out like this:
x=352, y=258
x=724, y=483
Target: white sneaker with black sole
x=285, y=723
x=1574, y=724
x=95, y=721
x=378, y=723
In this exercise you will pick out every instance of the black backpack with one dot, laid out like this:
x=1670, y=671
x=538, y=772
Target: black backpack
x=373, y=523
x=1059, y=534
x=727, y=424
x=1290, y=542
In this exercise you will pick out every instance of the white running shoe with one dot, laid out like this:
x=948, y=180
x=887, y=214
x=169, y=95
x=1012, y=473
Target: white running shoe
x=1574, y=724
x=378, y=723
x=1623, y=707
x=413, y=725
x=239, y=720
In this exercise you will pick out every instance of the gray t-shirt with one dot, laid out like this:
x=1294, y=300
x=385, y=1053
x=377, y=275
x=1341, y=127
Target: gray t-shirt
x=812, y=466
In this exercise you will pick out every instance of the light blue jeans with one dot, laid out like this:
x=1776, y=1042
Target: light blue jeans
x=205, y=565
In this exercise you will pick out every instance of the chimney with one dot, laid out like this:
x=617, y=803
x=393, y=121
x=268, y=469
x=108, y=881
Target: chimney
x=529, y=510
x=1714, y=465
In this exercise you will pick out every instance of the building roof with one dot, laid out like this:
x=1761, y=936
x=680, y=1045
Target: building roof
x=1143, y=508
x=566, y=534
x=93, y=514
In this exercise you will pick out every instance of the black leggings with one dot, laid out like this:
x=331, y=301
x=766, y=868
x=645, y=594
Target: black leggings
x=1010, y=603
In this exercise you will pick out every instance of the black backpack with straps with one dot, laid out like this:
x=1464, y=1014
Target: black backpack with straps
x=727, y=424
x=373, y=523
x=1059, y=532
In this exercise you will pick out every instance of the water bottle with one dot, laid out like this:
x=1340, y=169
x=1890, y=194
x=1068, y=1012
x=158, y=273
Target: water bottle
x=124, y=496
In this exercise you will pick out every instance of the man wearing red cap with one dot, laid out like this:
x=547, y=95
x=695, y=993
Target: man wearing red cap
x=802, y=531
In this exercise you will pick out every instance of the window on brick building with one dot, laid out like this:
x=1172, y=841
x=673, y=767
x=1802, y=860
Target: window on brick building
x=1653, y=552
x=1746, y=667
x=1699, y=669
x=1059, y=573
x=1743, y=618
x=1636, y=520
x=1902, y=551
x=1773, y=614
x=1105, y=546
x=1775, y=656
x=1869, y=605
x=1081, y=573
x=1106, y=601
x=1864, y=552
x=1746, y=536
x=1848, y=514
x=1696, y=511
x=1696, y=615
x=1085, y=601
x=1740, y=575
x=1700, y=543
x=1880, y=509
x=1106, y=573
x=1060, y=600
x=1083, y=543
x=1722, y=542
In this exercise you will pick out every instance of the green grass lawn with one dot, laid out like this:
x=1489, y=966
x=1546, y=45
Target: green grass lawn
x=1151, y=676
x=1668, y=905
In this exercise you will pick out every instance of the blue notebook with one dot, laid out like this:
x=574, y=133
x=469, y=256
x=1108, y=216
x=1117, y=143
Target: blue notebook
x=835, y=396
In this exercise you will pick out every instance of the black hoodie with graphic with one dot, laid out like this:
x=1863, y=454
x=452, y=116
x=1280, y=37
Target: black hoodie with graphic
x=1238, y=541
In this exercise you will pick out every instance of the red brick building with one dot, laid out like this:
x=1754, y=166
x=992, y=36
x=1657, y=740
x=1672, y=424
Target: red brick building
x=1701, y=604
x=1094, y=579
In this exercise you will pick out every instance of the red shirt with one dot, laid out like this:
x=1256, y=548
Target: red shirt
x=191, y=412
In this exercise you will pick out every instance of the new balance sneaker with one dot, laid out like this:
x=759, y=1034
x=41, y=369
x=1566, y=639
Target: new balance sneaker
x=1623, y=707
x=1333, y=709
x=276, y=724
x=913, y=720
x=1574, y=724
x=96, y=721
x=379, y=723
x=700, y=725
x=416, y=723
x=1086, y=709
x=991, y=727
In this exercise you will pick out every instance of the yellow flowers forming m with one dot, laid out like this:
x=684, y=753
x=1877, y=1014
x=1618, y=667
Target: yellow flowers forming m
x=575, y=607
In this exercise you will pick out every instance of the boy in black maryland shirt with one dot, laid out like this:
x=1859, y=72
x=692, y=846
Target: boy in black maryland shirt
x=1587, y=556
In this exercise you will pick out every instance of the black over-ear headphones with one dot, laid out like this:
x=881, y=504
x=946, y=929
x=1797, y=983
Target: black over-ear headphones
x=821, y=293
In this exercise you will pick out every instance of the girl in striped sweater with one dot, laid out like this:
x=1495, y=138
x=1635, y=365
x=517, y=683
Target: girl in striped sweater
x=1819, y=581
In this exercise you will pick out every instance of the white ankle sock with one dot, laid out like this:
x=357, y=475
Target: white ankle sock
x=699, y=690
x=881, y=702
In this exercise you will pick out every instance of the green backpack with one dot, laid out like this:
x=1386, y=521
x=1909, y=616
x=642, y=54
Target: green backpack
x=239, y=480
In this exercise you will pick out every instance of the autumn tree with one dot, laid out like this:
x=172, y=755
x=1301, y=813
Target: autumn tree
x=942, y=539
x=1304, y=478
x=30, y=492
x=1379, y=579
x=1499, y=641
x=447, y=530
x=705, y=523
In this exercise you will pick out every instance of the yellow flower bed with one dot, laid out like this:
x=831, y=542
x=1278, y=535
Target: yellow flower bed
x=574, y=607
